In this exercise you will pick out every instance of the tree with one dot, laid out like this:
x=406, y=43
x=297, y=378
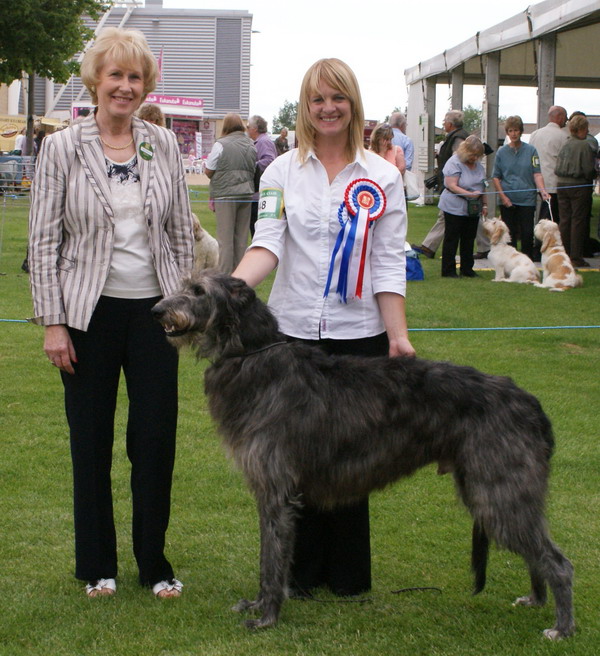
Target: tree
x=42, y=36
x=286, y=118
x=472, y=118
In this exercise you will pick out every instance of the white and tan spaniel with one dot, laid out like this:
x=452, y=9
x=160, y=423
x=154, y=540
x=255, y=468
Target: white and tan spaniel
x=510, y=265
x=206, y=248
x=558, y=272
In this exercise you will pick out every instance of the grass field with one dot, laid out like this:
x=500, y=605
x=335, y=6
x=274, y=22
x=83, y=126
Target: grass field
x=420, y=534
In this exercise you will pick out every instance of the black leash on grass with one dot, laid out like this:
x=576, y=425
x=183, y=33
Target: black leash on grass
x=308, y=596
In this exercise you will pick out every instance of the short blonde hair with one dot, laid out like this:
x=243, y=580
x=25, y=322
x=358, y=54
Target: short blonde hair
x=152, y=113
x=127, y=48
x=339, y=76
x=470, y=146
x=578, y=122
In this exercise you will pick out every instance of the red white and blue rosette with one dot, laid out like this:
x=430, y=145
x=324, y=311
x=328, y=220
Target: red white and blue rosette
x=364, y=202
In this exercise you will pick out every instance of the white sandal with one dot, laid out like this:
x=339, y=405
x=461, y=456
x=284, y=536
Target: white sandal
x=172, y=587
x=102, y=588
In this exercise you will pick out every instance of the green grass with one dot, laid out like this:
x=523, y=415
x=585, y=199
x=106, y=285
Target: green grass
x=420, y=534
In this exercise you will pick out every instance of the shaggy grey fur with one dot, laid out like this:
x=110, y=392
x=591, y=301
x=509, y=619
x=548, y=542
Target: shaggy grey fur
x=304, y=426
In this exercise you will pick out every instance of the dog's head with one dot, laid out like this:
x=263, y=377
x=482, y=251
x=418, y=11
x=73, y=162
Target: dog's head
x=548, y=233
x=212, y=312
x=497, y=231
x=198, y=234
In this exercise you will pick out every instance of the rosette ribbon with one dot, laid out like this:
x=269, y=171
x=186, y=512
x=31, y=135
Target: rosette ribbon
x=364, y=202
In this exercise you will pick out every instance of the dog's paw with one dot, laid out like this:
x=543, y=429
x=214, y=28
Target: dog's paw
x=242, y=606
x=553, y=634
x=528, y=600
x=262, y=623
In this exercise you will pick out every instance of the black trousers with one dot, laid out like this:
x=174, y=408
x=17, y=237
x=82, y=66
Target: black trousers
x=519, y=219
x=333, y=547
x=122, y=335
x=459, y=231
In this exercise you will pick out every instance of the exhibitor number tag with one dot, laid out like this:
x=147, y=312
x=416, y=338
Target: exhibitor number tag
x=270, y=204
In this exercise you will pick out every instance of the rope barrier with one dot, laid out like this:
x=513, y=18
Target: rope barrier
x=418, y=330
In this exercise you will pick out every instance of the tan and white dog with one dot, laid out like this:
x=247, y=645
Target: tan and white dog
x=558, y=272
x=510, y=265
x=206, y=248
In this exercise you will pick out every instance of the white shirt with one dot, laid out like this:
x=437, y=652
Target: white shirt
x=548, y=141
x=132, y=273
x=304, y=238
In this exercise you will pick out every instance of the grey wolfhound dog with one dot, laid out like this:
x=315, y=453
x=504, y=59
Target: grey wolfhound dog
x=307, y=427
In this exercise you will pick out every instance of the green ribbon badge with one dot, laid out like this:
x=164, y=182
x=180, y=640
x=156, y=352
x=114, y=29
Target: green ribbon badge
x=146, y=150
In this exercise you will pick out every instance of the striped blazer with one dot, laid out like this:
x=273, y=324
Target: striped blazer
x=71, y=221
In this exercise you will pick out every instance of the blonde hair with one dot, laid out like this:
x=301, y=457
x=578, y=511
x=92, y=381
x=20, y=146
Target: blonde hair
x=578, y=122
x=339, y=76
x=470, y=146
x=152, y=114
x=380, y=132
x=127, y=48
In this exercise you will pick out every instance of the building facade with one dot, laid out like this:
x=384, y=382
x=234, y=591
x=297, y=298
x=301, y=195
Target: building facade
x=204, y=56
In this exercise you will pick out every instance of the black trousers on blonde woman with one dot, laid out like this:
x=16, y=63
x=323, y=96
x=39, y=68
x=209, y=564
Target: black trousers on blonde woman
x=122, y=335
x=333, y=547
x=460, y=234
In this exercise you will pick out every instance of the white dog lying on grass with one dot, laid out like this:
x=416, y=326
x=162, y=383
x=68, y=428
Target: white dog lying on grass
x=510, y=265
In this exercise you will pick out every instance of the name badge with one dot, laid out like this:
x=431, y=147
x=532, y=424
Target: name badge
x=270, y=204
x=146, y=151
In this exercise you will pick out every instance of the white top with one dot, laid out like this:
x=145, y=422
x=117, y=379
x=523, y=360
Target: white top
x=213, y=157
x=132, y=273
x=548, y=141
x=304, y=237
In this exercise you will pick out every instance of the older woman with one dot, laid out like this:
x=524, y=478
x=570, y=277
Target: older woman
x=463, y=202
x=310, y=198
x=517, y=175
x=230, y=167
x=110, y=233
x=381, y=143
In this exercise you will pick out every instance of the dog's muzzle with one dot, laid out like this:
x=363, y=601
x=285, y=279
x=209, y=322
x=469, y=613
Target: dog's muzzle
x=170, y=331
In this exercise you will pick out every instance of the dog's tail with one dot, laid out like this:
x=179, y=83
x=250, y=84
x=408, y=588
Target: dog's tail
x=479, y=556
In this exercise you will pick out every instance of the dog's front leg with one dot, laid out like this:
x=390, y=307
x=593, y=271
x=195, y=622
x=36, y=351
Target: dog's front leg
x=276, y=544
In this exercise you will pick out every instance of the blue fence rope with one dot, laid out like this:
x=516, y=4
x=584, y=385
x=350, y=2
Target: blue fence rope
x=418, y=330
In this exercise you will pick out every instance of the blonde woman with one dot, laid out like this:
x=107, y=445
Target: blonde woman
x=309, y=197
x=381, y=143
x=463, y=201
x=110, y=234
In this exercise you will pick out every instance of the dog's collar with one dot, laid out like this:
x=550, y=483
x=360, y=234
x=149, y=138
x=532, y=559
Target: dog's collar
x=263, y=348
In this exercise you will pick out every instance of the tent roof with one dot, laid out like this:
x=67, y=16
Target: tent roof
x=577, y=27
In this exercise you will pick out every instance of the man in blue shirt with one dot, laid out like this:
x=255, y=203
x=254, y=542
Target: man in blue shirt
x=517, y=179
x=398, y=123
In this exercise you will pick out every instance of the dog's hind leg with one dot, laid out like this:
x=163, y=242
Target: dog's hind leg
x=276, y=544
x=546, y=565
x=479, y=556
x=552, y=566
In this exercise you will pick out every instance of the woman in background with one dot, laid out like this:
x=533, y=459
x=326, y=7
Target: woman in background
x=381, y=143
x=463, y=201
x=230, y=167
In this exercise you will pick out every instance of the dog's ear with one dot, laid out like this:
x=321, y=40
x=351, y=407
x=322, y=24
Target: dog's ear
x=240, y=291
x=547, y=242
x=498, y=232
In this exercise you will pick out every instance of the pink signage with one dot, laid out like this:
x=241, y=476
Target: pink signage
x=175, y=101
